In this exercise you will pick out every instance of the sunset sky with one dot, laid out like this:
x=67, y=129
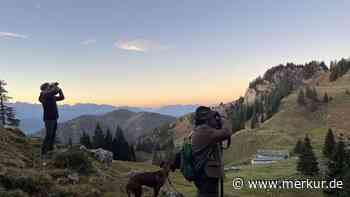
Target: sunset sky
x=152, y=53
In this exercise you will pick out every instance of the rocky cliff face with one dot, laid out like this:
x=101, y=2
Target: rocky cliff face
x=295, y=75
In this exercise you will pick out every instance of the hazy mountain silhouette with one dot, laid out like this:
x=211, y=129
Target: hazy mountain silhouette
x=134, y=124
x=31, y=114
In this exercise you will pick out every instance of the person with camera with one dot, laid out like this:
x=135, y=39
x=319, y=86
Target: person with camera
x=209, y=133
x=49, y=95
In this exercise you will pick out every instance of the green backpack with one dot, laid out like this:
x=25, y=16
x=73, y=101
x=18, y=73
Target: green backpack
x=187, y=162
x=189, y=168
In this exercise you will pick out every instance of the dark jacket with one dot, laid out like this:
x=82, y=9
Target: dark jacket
x=48, y=100
x=203, y=137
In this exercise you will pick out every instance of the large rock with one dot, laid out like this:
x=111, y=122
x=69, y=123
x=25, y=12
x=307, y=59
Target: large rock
x=103, y=156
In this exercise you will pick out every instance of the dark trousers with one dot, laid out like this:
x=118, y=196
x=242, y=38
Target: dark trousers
x=207, y=187
x=51, y=127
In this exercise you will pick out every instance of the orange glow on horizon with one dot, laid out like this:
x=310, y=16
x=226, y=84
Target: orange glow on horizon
x=211, y=98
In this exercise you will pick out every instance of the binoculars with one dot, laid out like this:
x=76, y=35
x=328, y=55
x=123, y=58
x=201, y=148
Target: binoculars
x=219, y=125
x=54, y=84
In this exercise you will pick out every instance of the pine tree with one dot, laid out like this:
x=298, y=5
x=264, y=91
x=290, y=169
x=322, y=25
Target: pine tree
x=3, y=99
x=7, y=113
x=85, y=141
x=315, y=95
x=298, y=149
x=254, y=121
x=70, y=142
x=308, y=93
x=339, y=158
x=120, y=146
x=276, y=101
x=329, y=144
x=108, y=141
x=312, y=94
x=334, y=75
x=301, y=98
x=337, y=166
x=236, y=124
x=98, y=138
x=307, y=163
x=11, y=119
x=115, y=148
x=325, y=98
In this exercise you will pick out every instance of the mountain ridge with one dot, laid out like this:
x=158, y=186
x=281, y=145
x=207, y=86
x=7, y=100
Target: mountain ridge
x=134, y=124
x=31, y=114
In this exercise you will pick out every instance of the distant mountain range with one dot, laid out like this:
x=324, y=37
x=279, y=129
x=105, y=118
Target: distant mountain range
x=134, y=124
x=31, y=114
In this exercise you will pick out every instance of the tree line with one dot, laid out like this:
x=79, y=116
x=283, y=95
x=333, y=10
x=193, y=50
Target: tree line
x=309, y=97
x=339, y=69
x=117, y=144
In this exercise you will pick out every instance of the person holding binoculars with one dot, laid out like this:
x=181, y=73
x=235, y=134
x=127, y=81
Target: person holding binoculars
x=210, y=132
x=49, y=95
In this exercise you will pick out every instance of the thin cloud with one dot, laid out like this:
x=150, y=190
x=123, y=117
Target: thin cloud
x=38, y=6
x=139, y=45
x=8, y=35
x=88, y=42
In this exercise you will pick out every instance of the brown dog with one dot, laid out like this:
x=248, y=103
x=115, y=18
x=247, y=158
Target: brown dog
x=153, y=180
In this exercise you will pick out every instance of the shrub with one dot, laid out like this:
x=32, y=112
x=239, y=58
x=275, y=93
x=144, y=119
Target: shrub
x=74, y=159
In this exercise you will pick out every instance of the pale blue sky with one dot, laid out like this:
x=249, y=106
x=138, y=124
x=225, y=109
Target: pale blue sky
x=161, y=52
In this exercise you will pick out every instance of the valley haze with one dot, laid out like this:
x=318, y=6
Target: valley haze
x=31, y=114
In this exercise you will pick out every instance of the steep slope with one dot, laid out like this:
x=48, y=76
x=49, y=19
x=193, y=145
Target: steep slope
x=293, y=122
x=282, y=131
x=133, y=124
x=339, y=108
x=67, y=173
x=16, y=149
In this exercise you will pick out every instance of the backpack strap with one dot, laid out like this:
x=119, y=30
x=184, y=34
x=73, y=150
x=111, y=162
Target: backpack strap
x=201, y=157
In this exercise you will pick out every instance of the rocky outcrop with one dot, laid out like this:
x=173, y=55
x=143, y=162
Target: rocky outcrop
x=294, y=75
x=104, y=156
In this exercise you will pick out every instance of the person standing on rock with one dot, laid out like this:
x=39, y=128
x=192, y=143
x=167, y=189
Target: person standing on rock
x=49, y=95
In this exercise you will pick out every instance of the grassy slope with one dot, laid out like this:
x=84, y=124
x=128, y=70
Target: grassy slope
x=339, y=108
x=280, y=132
